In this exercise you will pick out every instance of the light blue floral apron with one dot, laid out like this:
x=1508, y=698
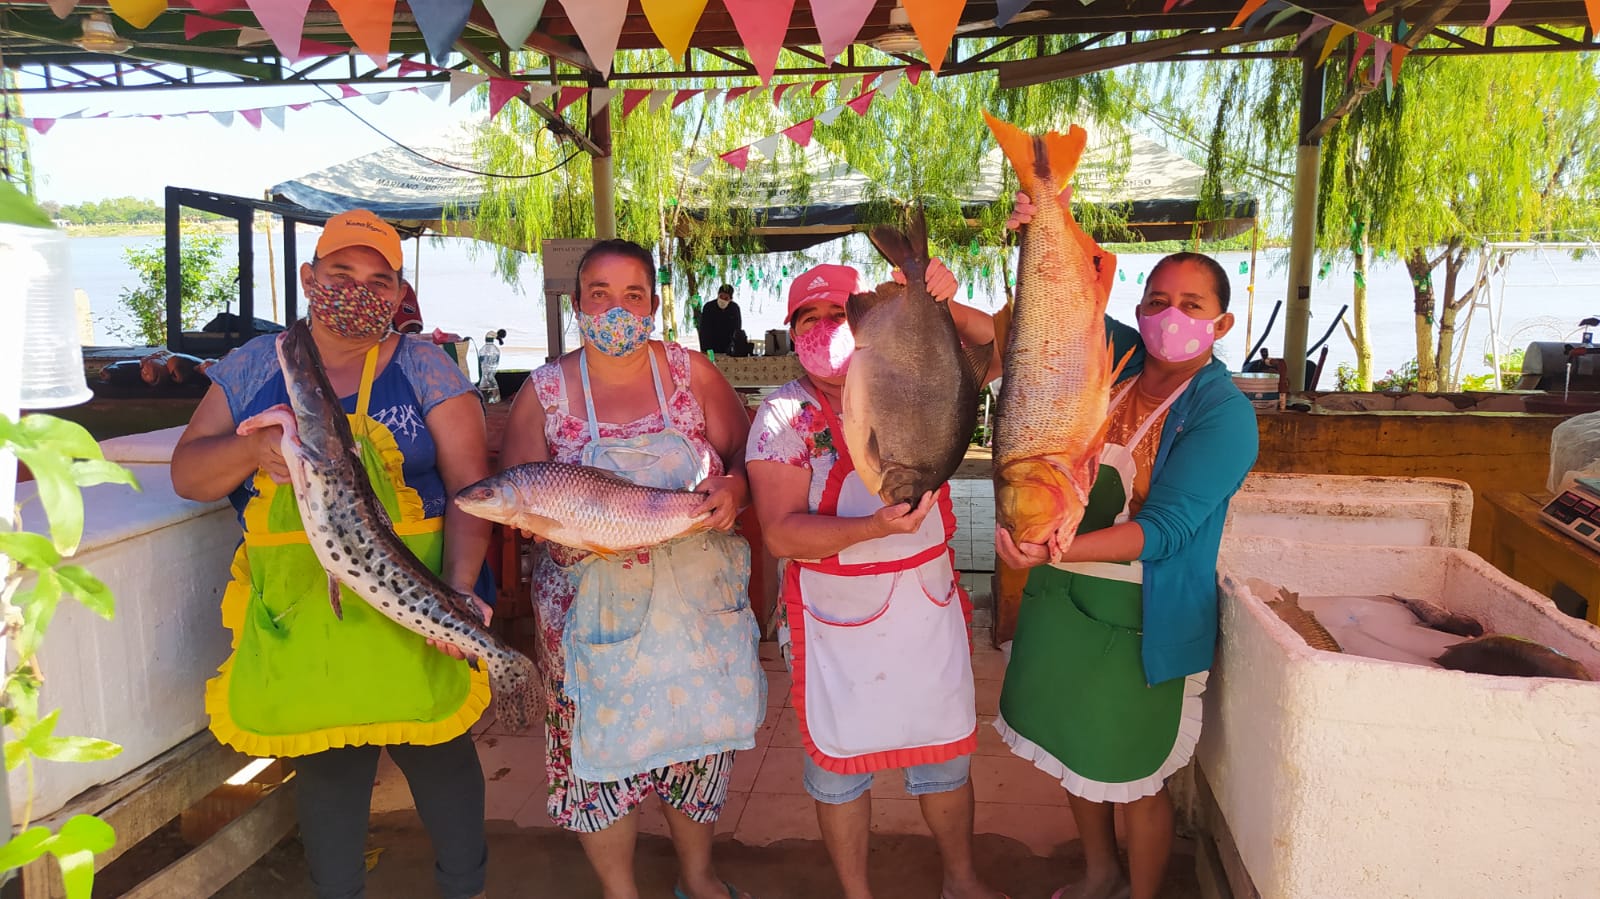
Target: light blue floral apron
x=661, y=646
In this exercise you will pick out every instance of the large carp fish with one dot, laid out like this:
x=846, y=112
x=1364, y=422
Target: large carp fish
x=911, y=391
x=355, y=542
x=583, y=507
x=1058, y=361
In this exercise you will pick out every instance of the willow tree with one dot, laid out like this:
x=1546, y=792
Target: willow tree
x=925, y=143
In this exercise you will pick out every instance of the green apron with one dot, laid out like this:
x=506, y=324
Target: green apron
x=1075, y=698
x=301, y=680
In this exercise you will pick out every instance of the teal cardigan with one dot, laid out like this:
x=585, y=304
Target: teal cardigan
x=1208, y=445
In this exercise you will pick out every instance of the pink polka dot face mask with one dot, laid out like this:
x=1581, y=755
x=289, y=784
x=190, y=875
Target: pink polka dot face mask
x=1172, y=336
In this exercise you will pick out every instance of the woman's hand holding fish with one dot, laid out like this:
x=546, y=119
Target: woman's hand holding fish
x=1022, y=556
x=1022, y=212
x=722, y=505
x=485, y=612
x=269, y=453
x=941, y=281
x=902, y=518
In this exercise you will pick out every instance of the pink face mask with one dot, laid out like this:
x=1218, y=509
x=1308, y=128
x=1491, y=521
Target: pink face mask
x=825, y=350
x=1172, y=336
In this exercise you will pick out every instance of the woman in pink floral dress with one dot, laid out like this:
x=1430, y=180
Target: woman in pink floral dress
x=640, y=408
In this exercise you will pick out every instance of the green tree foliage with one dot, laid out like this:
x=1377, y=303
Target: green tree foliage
x=113, y=211
x=207, y=287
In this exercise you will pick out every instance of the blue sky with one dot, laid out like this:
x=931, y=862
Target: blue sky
x=98, y=158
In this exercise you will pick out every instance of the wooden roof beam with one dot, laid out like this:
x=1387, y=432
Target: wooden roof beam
x=1026, y=72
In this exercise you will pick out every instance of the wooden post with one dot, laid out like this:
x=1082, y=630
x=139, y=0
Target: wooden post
x=1308, y=159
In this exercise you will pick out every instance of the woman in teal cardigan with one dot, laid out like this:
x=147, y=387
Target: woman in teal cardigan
x=1115, y=634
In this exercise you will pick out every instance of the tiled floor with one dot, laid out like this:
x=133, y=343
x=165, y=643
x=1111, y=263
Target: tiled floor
x=766, y=802
x=974, y=541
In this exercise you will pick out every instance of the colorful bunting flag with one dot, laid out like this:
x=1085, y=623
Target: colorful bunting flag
x=1593, y=8
x=866, y=81
x=713, y=94
x=778, y=91
x=515, y=19
x=801, y=132
x=838, y=22
x=369, y=23
x=569, y=96
x=249, y=37
x=699, y=166
x=275, y=115
x=224, y=116
x=253, y=116
x=538, y=93
x=1363, y=44
x=462, y=83
x=1397, y=55
x=1496, y=9
x=1317, y=24
x=768, y=146
x=735, y=93
x=347, y=91
x=283, y=20
x=441, y=22
x=1336, y=35
x=737, y=158
x=817, y=86
x=431, y=91
x=1007, y=9
x=194, y=26
x=138, y=13
x=860, y=104
x=312, y=47
x=1372, y=5
x=914, y=73
x=830, y=115
x=684, y=96
x=935, y=23
x=212, y=7
x=632, y=97
x=1246, y=11
x=501, y=90
x=762, y=25
x=42, y=126
x=673, y=22
x=599, y=99
x=599, y=26
x=62, y=9
x=659, y=99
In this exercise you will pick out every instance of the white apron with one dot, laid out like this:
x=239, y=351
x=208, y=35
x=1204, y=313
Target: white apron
x=882, y=655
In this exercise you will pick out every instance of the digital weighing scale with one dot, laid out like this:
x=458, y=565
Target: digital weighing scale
x=1576, y=512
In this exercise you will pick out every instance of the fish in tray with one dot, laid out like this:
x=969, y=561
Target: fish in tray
x=353, y=539
x=1440, y=618
x=1059, y=366
x=582, y=507
x=1512, y=656
x=911, y=392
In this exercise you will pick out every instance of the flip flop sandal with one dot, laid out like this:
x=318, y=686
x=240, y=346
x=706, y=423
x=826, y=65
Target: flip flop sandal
x=733, y=891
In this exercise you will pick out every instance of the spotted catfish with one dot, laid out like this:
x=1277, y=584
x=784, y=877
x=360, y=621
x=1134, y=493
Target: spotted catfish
x=355, y=542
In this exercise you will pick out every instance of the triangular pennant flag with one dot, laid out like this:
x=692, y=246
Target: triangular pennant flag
x=859, y=105
x=830, y=114
x=888, y=88
x=42, y=126
x=1397, y=55
x=735, y=93
x=1336, y=35
x=1245, y=12
x=838, y=23
x=138, y=13
x=632, y=97
x=298, y=107
x=1317, y=24
x=1007, y=9
x=1593, y=8
x=762, y=25
x=914, y=73
x=817, y=86
x=347, y=91
x=699, y=166
x=225, y=117
x=369, y=23
x=78, y=114
x=515, y=19
x=412, y=67
x=866, y=81
x=1496, y=9
x=769, y=145
x=63, y=8
x=501, y=90
x=283, y=21
x=194, y=26
x=275, y=115
x=737, y=158
x=1380, y=55
x=251, y=36
x=800, y=132
x=673, y=22
x=659, y=99
x=1372, y=5
x=778, y=91
x=1284, y=14
x=376, y=98
x=212, y=7
x=431, y=91
x=713, y=94
x=599, y=99
x=599, y=26
x=538, y=93
x=891, y=78
x=157, y=117
x=311, y=47
x=441, y=22
x=568, y=96
x=935, y=23
x=1363, y=44
x=463, y=82
x=412, y=90
x=253, y=116
x=684, y=96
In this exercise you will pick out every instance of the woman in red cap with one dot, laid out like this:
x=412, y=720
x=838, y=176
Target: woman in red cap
x=875, y=623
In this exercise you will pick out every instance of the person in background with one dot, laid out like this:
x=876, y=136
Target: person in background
x=720, y=322
x=875, y=624
x=408, y=315
x=629, y=645
x=1115, y=634
x=334, y=693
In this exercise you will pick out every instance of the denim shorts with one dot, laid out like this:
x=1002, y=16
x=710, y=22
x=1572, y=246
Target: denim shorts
x=921, y=780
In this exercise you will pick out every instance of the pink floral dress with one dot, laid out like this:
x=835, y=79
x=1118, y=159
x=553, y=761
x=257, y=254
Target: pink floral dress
x=697, y=788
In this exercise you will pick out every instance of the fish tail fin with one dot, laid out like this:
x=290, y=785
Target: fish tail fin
x=518, y=691
x=908, y=249
x=1044, y=163
x=1002, y=327
x=1111, y=353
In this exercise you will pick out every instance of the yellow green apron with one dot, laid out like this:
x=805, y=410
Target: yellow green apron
x=300, y=680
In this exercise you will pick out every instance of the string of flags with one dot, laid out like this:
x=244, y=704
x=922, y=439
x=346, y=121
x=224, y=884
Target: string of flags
x=1268, y=14
x=253, y=116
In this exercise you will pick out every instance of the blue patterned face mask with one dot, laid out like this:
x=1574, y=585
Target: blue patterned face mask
x=616, y=331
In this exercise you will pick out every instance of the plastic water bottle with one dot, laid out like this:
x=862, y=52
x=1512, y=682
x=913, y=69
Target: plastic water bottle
x=488, y=363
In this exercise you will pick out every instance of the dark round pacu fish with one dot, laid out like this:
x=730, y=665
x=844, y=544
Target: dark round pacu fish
x=127, y=373
x=153, y=369
x=1512, y=657
x=186, y=369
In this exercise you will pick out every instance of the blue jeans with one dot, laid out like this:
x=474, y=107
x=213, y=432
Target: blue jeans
x=921, y=780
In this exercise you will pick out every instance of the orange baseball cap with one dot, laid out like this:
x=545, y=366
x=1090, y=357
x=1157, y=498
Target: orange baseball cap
x=360, y=228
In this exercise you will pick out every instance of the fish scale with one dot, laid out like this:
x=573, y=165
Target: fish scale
x=583, y=507
x=352, y=537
